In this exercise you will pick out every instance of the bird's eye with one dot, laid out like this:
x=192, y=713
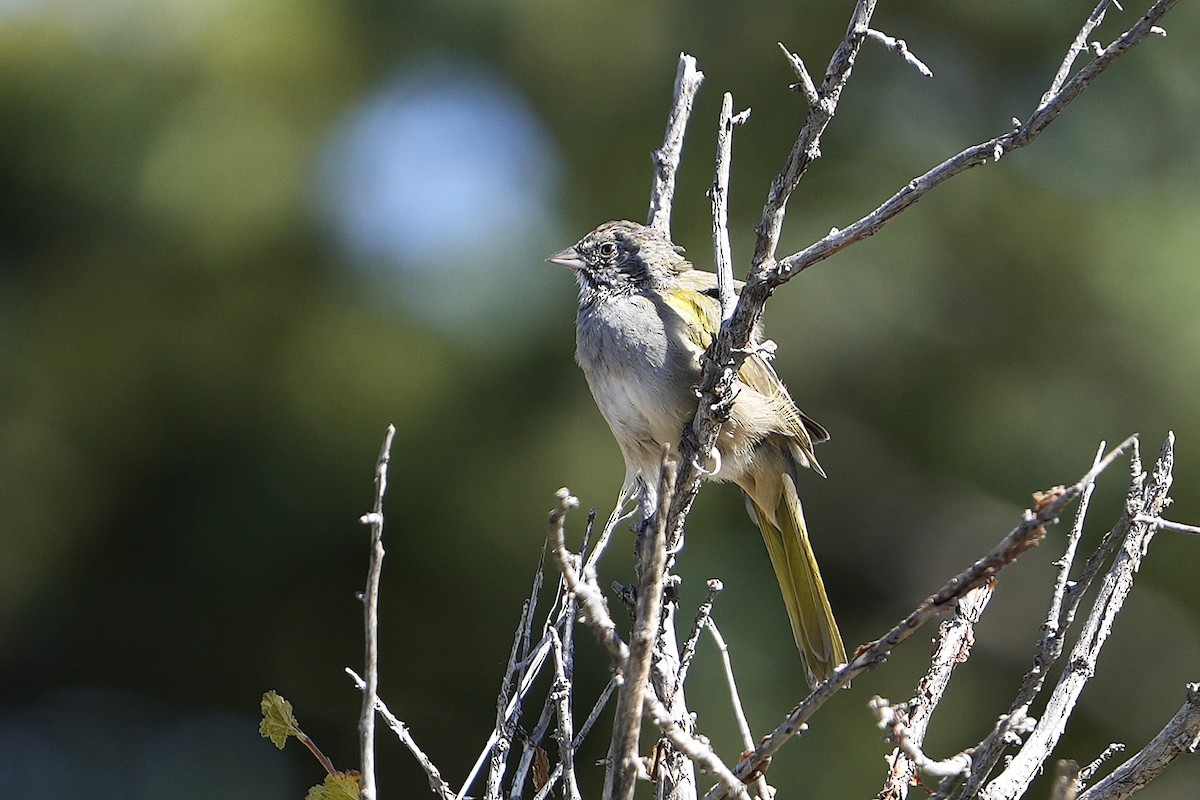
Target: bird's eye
x=608, y=249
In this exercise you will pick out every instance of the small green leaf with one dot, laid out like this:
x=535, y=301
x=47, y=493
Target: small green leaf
x=337, y=786
x=278, y=722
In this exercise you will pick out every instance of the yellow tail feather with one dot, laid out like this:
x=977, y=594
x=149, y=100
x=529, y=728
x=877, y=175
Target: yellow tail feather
x=816, y=632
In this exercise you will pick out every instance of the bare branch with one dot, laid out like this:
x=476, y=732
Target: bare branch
x=1091, y=769
x=974, y=156
x=719, y=194
x=505, y=726
x=618, y=515
x=370, y=598
x=736, y=700
x=674, y=774
x=565, y=734
x=652, y=562
x=807, y=146
x=1019, y=541
x=896, y=730
x=532, y=667
x=804, y=84
x=584, y=587
x=1077, y=47
x=1064, y=600
x=666, y=158
x=1022, y=769
x=1181, y=735
x=1166, y=524
x=689, y=645
x=955, y=638
x=900, y=47
x=584, y=730
x=436, y=782
x=695, y=749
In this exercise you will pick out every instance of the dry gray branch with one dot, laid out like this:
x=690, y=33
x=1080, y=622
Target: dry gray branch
x=436, y=782
x=765, y=792
x=666, y=158
x=507, y=727
x=1081, y=665
x=955, y=638
x=370, y=598
x=1181, y=735
x=804, y=82
x=719, y=194
x=1091, y=769
x=625, y=764
x=1166, y=524
x=900, y=47
x=595, y=611
x=1078, y=47
x=1019, y=541
x=1064, y=600
x=693, y=639
x=560, y=693
x=894, y=724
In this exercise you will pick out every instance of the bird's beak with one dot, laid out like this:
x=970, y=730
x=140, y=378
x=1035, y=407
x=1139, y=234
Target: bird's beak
x=568, y=258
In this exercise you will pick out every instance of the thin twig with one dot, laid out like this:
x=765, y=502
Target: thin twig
x=584, y=730
x=666, y=158
x=565, y=734
x=370, y=598
x=539, y=577
x=1168, y=525
x=735, y=698
x=1064, y=600
x=529, y=746
x=974, y=156
x=619, y=514
x=1078, y=46
x=583, y=586
x=953, y=647
x=695, y=749
x=689, y=645
x=535, y=662
x=436, y=782
x=674, y=773
x=807, y=148
x=628, y=723
x=804, y=82
x=900, y=47
x=765, y=792
x=1024, y=766
x=595, y=610
x=719, y=194
x=1019, y=541
x=1181, y=735
x=505, y=726
x=1091, y=769
x=897, y=731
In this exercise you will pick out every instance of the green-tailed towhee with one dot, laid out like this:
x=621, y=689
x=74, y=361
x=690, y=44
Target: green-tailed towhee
x=645, y=319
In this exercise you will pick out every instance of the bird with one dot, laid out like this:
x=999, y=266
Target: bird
x=645, y=318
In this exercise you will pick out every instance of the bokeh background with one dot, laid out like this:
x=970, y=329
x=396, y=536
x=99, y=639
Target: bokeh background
x=237, y=239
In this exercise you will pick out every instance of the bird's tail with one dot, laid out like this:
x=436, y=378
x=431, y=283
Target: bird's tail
x=813, y=626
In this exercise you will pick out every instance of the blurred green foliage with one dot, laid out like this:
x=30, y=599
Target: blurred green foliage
x=196, y=370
